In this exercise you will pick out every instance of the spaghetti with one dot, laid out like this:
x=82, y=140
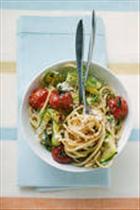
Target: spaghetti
x=85, y=140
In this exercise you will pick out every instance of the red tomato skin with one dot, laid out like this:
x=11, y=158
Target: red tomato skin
x=124, y=107
x=54, y=100
x=38, y=98
x=66, y=100
x=60, y=101
x=118, y=107
x=60, y=156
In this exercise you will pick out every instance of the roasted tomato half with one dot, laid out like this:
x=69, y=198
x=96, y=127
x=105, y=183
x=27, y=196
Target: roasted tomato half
x=54, y=99
x=60, y=156
x=118, y=107
x=38, y=98
x=66, y=100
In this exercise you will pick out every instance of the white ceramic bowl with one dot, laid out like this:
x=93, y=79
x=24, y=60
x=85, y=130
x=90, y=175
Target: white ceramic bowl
x=102, y=73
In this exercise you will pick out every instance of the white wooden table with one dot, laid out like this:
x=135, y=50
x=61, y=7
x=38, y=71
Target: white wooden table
x=122, y=36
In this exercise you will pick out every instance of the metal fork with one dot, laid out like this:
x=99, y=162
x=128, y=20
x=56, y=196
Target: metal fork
x=79, y=59
x=91, y=44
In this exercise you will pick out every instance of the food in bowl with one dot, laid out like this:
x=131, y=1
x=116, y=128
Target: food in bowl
x=73, y=137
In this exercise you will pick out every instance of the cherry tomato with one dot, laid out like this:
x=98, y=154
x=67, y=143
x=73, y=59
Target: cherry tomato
x=66, y=100
x=60, y=156
x=60, y=101
x=38, y=97
x=118, y=107
x=54, y=99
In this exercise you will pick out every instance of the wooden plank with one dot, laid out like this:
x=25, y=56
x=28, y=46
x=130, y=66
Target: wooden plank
x=117, y=68
x=7, y=67
x=124, y=68
x=75, y=204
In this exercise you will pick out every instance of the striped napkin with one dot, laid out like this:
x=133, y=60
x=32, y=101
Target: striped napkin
x=41, y=42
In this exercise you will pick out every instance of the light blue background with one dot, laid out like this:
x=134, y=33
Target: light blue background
x=104, y=5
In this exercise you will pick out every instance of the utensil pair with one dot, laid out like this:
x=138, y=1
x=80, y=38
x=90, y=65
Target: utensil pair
x=79, y=58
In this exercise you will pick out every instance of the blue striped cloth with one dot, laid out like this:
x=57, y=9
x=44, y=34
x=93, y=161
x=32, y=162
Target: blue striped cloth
x=41, y=41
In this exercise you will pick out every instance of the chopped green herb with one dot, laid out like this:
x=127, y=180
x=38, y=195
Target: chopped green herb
x=94, y=98
x=119, y=102
x=47, y=141
x=54, y=77
x=110, y=118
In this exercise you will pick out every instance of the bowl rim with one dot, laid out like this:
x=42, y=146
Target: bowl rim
x=35, y=149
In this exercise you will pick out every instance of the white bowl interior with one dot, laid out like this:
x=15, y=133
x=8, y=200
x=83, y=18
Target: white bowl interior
x=28, y=133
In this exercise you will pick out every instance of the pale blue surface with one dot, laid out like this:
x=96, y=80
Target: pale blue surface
x=33, y=172
x=35, y=51
x=104, y=5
